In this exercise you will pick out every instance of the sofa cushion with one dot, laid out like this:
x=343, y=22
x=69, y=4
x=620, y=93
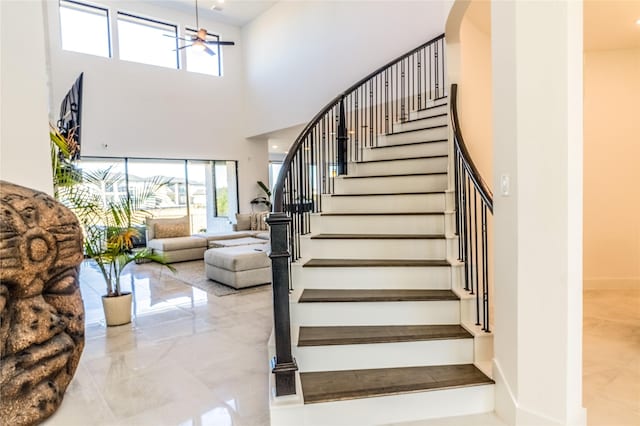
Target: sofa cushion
x=224, y=235
x=151, y=225
x=240, y=258
x=258, y=222
x=177, y=243
x=171, y=230
x=263, y=235
x=243, y=222
x=235, y=242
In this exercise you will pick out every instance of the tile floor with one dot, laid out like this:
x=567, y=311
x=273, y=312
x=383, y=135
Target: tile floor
x=190, y=358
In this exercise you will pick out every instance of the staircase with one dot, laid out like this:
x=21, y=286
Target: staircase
x=379, y=331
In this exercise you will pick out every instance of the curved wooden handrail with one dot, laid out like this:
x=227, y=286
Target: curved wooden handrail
x=298, y=143
x=474, y=174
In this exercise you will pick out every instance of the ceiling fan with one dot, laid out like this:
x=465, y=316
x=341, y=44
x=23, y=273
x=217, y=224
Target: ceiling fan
x=200, y=41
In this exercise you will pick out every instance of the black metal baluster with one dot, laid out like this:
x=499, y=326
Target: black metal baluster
x=342, y=140
x=485, y=281
x=475, y=261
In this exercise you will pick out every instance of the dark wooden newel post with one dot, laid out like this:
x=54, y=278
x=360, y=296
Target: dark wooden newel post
x=285, y=365
x=342, y=140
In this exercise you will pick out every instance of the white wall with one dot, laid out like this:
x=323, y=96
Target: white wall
x=611, y=173
x=537, y=113
x=24, y=132
x=300, y=55
x=140, y=110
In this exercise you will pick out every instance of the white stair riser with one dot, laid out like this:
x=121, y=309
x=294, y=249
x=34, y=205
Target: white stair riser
x=433, y=134
x=405, y=151
x=402, y=224
x=417, y=165
x=425, y=278
x=384, y=355
x=391, y=184
x=374, y=249
x=437, y=120
x=376, y=313
x=407, y=407
x=426, y=113
x=423, y=203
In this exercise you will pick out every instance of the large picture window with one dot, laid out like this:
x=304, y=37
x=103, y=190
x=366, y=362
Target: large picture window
x=147, y=41
x=84, y=28
x=204, y=190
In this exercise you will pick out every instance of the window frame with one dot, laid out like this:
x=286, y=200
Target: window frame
x=132, y=18
x=73, y=4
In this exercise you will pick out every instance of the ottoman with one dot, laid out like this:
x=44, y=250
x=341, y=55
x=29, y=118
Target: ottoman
x=240, y=266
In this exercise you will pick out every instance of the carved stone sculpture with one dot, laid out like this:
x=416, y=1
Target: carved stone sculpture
x=41, y=311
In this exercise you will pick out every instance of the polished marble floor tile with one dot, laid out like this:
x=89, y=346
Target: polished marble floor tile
x=191, y=358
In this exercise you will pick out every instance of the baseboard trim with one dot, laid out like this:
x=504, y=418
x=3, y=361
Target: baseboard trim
x=611, y=284
x=512, y=413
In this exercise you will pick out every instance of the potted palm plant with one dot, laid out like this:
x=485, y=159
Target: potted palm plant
x=110, y=230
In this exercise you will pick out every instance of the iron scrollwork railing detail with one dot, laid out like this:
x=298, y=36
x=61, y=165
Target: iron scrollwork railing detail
x=474, y=204
x=335, y=137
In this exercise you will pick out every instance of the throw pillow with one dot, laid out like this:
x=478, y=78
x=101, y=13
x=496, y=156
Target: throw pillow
x=243, y=222
x=171, y=230
x=258, y=222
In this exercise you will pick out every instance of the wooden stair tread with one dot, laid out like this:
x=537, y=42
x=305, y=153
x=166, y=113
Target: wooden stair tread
x=352, y=335
x=438, y=126
x=310, y=295
x=378, y=237
x=388, y=193
x=406, y=144
x=394, y=175
x=350, y=263
x=401, y=159
x=382, y=214
x=325, y=386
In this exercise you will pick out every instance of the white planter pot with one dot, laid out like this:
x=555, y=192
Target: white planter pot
x=117, y=310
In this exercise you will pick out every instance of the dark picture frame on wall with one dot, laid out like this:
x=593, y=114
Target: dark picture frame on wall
x=71, y=115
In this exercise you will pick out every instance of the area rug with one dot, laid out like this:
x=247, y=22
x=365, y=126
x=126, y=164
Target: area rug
x=192, y=273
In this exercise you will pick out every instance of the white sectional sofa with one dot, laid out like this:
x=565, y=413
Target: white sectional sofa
x=171, y=238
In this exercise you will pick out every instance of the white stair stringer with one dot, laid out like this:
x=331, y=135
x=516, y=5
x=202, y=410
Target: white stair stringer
x=384, y=355
x=382, y=410
x=345, y=223
x=414, y=278
x=436, y=164
x=390, y=184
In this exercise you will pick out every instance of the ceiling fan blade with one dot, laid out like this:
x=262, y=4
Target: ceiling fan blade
x=209, y=51
x=179, y=38
x=181, y=47
x=221, y=43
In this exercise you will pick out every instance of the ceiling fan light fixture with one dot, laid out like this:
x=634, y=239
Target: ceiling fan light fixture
x=198, y=45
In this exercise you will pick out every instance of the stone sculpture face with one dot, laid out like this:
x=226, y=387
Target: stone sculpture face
x=41, y=311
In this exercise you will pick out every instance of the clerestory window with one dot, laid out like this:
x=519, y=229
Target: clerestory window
x=147, y=41
x=84, y=28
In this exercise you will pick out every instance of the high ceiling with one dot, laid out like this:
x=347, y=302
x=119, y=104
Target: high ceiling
x=608, y=24
x=233, y=12
x=611, y=24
